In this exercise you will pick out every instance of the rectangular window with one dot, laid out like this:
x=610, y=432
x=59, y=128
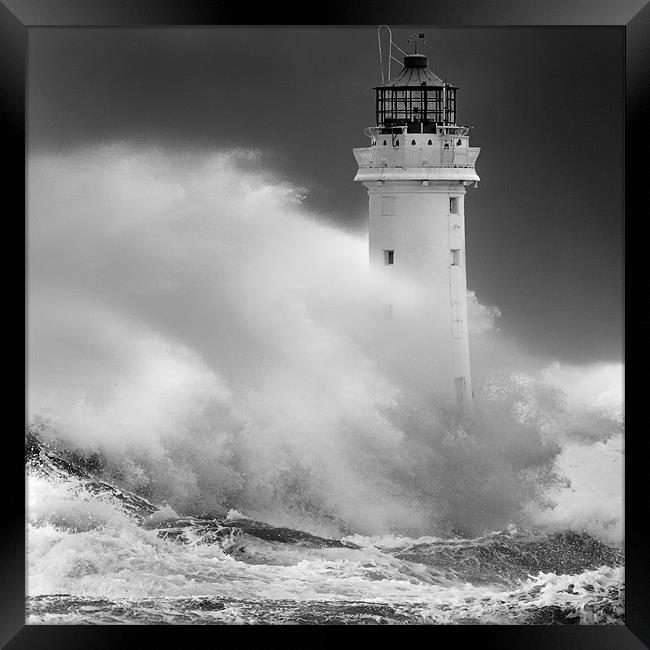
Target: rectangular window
x=455, y=256
x=389, y=257
x=388, y=205
x=453, y=204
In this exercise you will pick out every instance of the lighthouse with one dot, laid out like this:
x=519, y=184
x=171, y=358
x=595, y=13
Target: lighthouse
x=417, y=169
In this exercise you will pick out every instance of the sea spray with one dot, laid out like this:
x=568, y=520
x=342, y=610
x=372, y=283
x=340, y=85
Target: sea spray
x=207, y=342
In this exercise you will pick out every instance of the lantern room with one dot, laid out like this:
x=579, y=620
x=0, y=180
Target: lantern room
x=416, y=99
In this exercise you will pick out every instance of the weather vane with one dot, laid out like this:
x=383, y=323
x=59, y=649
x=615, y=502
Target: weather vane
x=415, y=39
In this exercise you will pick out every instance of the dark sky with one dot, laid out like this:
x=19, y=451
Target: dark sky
x=545, y=226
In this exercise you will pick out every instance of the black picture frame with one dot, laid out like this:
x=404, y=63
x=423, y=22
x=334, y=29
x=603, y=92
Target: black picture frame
x=16, y=19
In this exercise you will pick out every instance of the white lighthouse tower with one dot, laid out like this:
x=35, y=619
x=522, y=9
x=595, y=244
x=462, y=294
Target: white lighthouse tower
x=417, y=169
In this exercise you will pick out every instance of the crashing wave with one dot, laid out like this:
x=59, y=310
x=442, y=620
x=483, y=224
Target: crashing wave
x=100, y=554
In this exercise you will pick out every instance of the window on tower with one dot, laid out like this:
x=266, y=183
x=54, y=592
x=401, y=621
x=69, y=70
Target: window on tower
x=389, y=257
x=455, y=256
x=453, y=204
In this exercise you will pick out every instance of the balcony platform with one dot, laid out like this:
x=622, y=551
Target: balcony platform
x=416, y=163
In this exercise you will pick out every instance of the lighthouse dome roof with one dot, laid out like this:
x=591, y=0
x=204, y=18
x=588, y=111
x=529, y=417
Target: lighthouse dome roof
x=416, y=72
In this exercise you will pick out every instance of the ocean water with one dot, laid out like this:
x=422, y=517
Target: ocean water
x=100, y=554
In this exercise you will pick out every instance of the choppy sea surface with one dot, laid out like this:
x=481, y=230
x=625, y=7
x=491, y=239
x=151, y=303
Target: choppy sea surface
x=98, y=554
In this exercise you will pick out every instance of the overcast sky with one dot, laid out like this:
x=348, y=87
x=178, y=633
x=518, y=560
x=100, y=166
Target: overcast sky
x=545, y=226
